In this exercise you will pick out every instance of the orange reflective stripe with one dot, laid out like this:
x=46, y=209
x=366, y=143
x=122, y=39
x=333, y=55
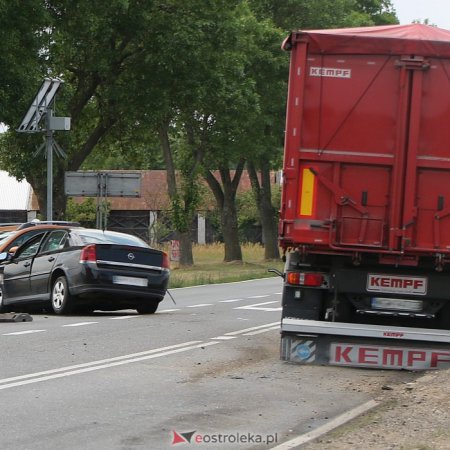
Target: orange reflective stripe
x=307, y=192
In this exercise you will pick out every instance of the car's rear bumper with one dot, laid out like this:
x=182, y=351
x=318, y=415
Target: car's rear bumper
x=116, y=285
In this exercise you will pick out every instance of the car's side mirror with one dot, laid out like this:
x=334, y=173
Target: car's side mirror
x=5, y=256
x=13, y=250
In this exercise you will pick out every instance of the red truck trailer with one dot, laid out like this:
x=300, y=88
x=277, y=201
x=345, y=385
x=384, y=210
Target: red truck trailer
x=365, y=213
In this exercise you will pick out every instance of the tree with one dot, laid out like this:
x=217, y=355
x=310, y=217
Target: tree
x=231, y=109
x=270, y=71
x=271, y=81
x=98, y=49
x=208, y=79
x=213, y=112
x=199, y=88
x=318, y=14
x=22, y=34
x=380, y=12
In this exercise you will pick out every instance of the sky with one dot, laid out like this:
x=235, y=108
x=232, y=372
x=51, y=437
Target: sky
x=437, y=11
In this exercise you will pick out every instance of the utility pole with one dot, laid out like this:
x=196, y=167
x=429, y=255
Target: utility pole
x=42, y=108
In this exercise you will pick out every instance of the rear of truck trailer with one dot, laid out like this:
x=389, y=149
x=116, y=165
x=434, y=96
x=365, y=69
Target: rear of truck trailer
x=365, y=214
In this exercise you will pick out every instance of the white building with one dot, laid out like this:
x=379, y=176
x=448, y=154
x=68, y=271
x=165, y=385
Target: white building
x=16, y=200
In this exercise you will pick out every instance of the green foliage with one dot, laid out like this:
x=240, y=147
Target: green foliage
x=380, y=12
x=22, y=36
x=318, y=14
x=128, y=152
x=159, y=229
x=248, y=214
x=84, y=212
x=213, y=70
x=248, y=217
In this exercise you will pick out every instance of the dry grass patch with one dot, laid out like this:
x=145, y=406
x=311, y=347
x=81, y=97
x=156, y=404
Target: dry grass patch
x=209, y=267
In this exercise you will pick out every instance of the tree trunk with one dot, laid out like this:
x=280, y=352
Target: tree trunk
x=59, y=198
x=225, y=195
x=230, y=229
x=186, y=255
x=267, y=213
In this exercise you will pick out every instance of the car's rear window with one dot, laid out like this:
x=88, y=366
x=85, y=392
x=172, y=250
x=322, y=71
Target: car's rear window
x=110, y=237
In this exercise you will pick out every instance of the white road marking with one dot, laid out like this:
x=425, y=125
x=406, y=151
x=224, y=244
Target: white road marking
x=252, y=333
x=224, y=338
x=79, y=324
x=234, y=333
x=61, y=372
x=124, y=317
x=336, y=422
x=16, y=333
x=231, y=300
x=259, y=296
x=257, y=306
x=168, y=310
x=199, y=305
x=7, y=383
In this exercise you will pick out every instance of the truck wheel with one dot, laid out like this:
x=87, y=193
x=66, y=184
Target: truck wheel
x=62, y=301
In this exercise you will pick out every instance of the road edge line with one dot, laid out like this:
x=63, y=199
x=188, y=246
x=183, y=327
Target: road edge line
x=335, y=423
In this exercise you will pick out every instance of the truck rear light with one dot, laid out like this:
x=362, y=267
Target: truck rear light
x=88, y=254
x=305, y=279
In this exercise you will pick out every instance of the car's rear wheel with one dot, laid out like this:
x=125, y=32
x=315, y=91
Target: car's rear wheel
x=147, y=308
x=62, y=301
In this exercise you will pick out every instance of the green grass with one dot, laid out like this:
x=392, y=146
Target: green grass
x=209, y=267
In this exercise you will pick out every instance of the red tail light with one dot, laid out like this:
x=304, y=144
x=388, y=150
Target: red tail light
x=165, y=261
x=88, y=253
x=305, y=279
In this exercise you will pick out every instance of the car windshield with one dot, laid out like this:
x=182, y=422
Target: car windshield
x=110, y=237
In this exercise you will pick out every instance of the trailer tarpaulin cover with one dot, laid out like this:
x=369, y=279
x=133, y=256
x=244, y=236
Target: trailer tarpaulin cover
x=414, y=39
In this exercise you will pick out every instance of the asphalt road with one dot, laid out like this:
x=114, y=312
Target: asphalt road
x=205, y=370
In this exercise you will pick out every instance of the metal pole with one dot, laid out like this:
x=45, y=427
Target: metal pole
x=49, y=148
x=99, y=195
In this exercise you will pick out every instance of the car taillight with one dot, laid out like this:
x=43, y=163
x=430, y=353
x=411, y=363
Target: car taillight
x=88, y=253
x=165, y=261
x=305, y=279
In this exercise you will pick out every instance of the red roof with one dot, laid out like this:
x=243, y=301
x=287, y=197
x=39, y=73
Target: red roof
x=413, y=39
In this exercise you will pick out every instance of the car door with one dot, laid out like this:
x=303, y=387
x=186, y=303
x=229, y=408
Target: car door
x=43, y=263
x=16, y=275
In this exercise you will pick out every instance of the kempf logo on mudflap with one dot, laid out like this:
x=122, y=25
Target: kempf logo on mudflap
x=330, y=72
x=397, y=284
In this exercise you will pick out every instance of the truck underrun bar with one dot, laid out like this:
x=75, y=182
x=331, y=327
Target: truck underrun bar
x=364, y=345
